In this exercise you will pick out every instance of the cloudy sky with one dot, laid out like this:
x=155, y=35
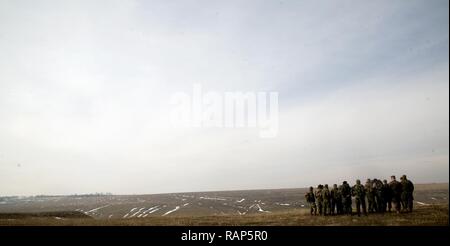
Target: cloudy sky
x=85, y=89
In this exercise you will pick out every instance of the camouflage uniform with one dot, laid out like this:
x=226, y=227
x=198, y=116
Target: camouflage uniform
x=346, y=193
x=319, y=199
x=379, y=201
x=369, y=189
x=386, y=193
x=310, y=198
x=407, y=194
x=336, y=200
x=359, y=193
x=396, y=189
x=326, y=200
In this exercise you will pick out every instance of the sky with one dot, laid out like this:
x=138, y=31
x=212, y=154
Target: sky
x=85, y=90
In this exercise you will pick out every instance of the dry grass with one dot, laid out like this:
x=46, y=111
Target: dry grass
x=424, y=216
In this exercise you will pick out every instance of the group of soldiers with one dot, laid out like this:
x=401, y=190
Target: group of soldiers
x=381, y=197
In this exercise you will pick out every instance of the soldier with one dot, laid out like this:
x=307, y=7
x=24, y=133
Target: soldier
x=336, y=200
x=386, y=193
x=346, y=193
x=311, y=200
x=396, y=189
x=319, y=199
x=379, y=202
x=359, y=193
x=407, y=194
x=326, y=200
x=369, y=189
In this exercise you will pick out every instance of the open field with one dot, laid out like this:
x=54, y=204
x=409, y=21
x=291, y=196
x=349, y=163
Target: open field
x=433, y=215
x=258, y=207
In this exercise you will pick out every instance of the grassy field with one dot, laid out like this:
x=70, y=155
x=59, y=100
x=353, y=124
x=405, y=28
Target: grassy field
x=431, y=215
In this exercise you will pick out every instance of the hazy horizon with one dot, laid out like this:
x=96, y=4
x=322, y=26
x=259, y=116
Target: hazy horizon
x=85, y=89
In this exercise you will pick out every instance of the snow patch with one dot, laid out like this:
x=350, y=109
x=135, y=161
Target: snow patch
x=136, y=213
x=422, y=203
x=96, y=209
x=212, y=198
x=171, y=211
x=283, y=204
x=261, y=210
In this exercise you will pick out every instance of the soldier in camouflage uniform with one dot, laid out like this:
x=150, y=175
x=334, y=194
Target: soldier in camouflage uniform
x=396, y=189
x=346, y=193
x=387, y=196
x=359, y=193
x=326, y=200
x=407, y=194
x=379, y=196
x=336, y=200
x=368, y=187
x=319, y=199
x=310, y=198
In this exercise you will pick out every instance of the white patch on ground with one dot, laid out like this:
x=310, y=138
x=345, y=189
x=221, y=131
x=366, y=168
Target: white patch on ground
x=433, y=198
x=58, y=218
x=96, y=209
x=184, y=205
x=261, y=210
x=150, y=209
x=212, y=198
x=154, y=210
x=422, y=203
x=110, y=216
x=283, y=204
x=243, y=199
x=150, y=212
x=136, y=213
x=132, y=210
x=171, y=211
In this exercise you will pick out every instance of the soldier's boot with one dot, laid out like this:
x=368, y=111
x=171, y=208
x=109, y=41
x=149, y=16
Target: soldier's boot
x=410, y=205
